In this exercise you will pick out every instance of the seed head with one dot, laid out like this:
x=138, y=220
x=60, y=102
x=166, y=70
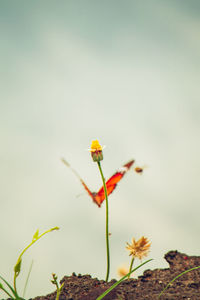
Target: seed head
x=139, y=248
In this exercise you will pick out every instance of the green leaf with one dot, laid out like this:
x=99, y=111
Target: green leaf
x=55, y=228
x=17, y=267
x=35, y=236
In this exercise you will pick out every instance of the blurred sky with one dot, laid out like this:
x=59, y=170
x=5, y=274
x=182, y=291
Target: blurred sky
x=126, y=73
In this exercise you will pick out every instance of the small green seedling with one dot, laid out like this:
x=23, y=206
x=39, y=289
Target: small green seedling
x=58, y=288
x=12, y=291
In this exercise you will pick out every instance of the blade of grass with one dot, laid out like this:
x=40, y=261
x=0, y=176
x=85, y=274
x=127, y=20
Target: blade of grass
x=6, y=292
x=10, y=287
x=27, y=279
x=176, y=278
x=119, y=281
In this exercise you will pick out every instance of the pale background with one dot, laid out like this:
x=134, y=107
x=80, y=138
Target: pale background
x=126, y=73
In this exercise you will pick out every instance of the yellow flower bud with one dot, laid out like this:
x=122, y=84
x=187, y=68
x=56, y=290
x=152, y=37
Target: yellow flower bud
x=96, y=151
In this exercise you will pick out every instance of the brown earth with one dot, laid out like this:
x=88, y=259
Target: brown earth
x=147, y=286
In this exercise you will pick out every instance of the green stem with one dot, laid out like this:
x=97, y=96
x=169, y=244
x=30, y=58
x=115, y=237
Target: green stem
x=59, y=291
x=20, y=257
x=107, y=231
x=15, y=286
x=131, y=266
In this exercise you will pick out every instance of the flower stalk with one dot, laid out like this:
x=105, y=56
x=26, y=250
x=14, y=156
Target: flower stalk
x=97, y=156
x=107, y=227
x=131, y=266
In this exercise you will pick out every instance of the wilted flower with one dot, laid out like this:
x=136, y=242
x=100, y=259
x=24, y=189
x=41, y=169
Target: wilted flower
x=96, y=151
x=139, y=248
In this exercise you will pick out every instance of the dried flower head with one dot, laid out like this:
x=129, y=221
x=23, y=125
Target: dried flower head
x=96, y=151
x=139, y=248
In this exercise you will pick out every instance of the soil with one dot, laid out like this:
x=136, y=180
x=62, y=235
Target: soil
x=147, y=286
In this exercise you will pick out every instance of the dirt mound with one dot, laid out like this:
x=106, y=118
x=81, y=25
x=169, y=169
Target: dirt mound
x=147, y=286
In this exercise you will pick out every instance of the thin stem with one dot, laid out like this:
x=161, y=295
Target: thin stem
x=131, y=266
x=27, y=279
x=59, y=291
x=107, y=231
x=33, y=241
x=15, y=287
